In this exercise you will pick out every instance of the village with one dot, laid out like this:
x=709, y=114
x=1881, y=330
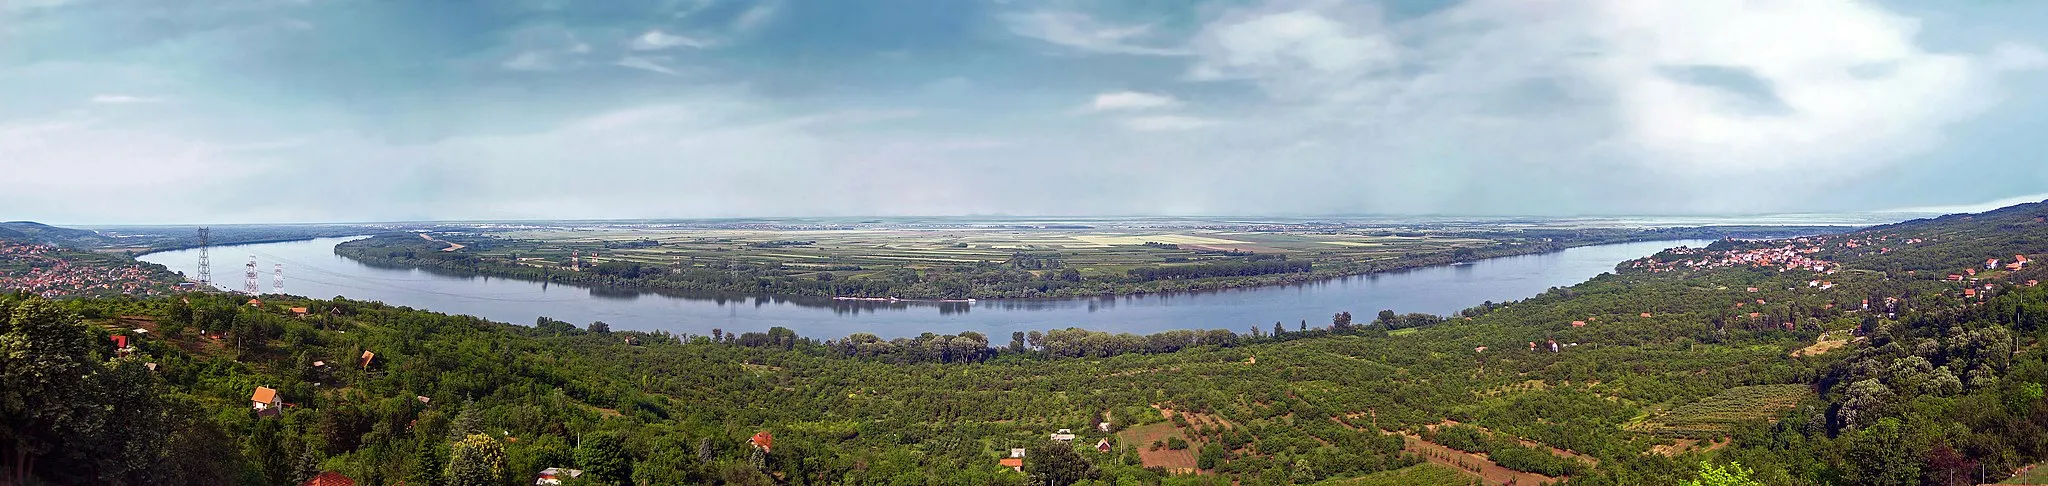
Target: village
x=51, y=272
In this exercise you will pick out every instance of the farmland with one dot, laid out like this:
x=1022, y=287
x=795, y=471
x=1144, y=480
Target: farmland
x=960, y=260
x=1716, y=415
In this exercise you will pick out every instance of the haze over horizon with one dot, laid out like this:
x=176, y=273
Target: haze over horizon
x=135, y=112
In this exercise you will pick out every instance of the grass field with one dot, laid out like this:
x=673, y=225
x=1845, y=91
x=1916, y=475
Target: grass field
x=1714, y=416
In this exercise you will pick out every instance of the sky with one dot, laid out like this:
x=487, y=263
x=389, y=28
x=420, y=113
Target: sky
x=223, y=111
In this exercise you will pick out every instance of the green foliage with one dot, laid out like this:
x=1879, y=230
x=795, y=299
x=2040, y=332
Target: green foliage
x=1716, y=475
x=1056, y=464
x=476, y=460
x=604, y=458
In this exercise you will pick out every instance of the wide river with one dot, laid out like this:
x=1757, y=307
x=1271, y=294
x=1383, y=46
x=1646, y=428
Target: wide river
x=312, y=269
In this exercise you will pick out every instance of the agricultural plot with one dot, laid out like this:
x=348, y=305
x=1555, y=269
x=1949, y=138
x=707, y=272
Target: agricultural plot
x=1716, y=415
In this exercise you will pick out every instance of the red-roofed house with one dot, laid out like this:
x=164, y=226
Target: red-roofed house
x=120, y=341
x=1578, y=323
x=762, y=440
x=1646, y=314
x=329, y=478
x=367, y=358
x=1014, y=463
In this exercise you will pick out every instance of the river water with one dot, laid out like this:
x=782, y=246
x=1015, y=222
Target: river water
x=312, y=269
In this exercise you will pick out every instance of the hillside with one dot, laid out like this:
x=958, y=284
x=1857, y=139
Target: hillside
x=33, y=232
x=1837, y=359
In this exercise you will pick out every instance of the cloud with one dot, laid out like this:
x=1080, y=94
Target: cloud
x=1615, y=92
x=1164, y=123
x=646, y=64
x=756, y=17
x=655, y=40
x=1132, y=100
x=1082, y=32
x=116, y=99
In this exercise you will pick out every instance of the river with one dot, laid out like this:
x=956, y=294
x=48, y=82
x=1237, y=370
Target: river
x=312, y=269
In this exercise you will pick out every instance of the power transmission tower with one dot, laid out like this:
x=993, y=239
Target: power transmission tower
x=249, y=285
x=277, y=284
x=205, y=270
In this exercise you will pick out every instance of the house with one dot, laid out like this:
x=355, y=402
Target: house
x=367, y=358
x=555, y=475
x=329, y=478
x=424, y=399
x=1102, y=445
x=1969, y=292
x=1645, y=314
x=264, y=402
x=299, y=311
x=1578, y=323
x=2031, y=283
x=1752, y=290
x=762, y=440
x=1017, y=453
x=120, y=341
x=255, y=303
x=1480, y=349
x=1102, y=427
x=1014, y=463
x=1063, y=435
x=1991, y=264
x=1955, y=278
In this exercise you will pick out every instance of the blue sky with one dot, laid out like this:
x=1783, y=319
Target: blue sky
x=142, y=111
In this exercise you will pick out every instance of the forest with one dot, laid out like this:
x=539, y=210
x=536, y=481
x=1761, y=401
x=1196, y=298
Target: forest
x=1720, y=365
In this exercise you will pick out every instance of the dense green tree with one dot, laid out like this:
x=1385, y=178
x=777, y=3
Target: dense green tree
x=476, y=460
x=1054, y=463
x=604, y=458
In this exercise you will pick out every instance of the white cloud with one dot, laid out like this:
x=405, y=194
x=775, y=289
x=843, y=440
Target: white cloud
x=646, y=64
x=756, y=17
x=654, y=40
x=124, y=99
x=1082, y=32
x=1598, y=90
x=1132, y=100
x=1163, y=123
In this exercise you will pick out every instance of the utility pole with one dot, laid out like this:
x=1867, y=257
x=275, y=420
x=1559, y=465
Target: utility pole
x=249, y=285
x=277, y=283
x=205, y=273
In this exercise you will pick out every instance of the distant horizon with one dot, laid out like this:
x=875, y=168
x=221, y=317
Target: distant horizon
x=1872, y=217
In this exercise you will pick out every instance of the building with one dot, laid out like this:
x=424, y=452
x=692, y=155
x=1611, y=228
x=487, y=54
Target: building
x=1014, y=463
x=329, y=478
x=762, y=440
x=1578, y=323
x=264, y=402
x=1102, y=445
x=555, y=475
x=1017, y=453
x=367, y=358
x=1063, y=435
x=299, y=311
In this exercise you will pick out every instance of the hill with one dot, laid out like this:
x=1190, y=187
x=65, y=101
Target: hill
x=1641, y=376
x=33, y=232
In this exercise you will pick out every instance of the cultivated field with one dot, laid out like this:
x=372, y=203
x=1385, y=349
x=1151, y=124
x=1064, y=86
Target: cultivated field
x=1714, y=416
